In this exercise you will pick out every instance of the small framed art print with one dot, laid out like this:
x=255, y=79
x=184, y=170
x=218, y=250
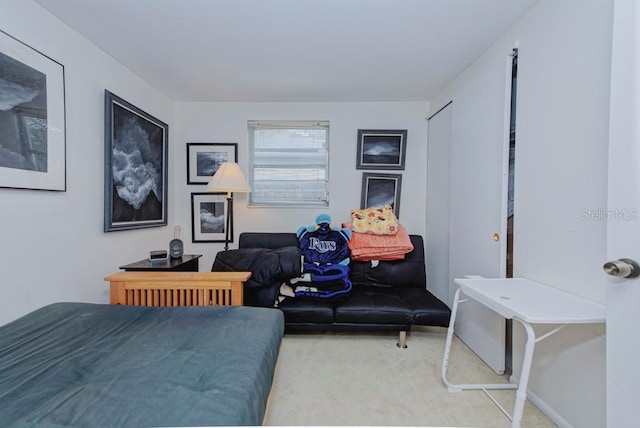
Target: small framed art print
x=381, y=189
x=209, y=211
x=381, y=149
x=204, y=159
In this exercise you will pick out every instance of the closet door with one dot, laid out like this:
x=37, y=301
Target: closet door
x=478, y=210
x=438, y=195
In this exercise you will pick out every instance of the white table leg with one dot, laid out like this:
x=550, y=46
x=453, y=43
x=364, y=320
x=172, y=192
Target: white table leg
x=521, y=393
x=447, y=351
x=477, y=386
x=447, y=346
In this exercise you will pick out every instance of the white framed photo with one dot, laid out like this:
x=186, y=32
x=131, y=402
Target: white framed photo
x=209, y=211
x=32, y=118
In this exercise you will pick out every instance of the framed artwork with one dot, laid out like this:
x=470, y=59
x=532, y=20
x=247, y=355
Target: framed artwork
x=32, y=118
x=381, y=189
x=135, y=170
x=209, y=212
x=381, y=149
x=204, y=159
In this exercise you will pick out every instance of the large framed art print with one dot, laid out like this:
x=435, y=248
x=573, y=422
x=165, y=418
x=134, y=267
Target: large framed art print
x=32, y=118
x=136, y=145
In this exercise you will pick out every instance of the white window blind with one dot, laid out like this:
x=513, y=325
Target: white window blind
x=289, y=163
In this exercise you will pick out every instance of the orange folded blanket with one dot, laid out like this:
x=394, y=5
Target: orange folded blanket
x=365, y=247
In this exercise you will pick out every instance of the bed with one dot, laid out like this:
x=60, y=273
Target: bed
x=98, y=365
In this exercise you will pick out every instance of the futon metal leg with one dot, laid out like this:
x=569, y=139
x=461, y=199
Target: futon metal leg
x=402, y=340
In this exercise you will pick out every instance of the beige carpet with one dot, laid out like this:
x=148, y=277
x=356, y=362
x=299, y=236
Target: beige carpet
x=352, y=379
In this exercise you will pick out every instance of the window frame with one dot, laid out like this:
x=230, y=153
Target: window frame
x=253, y=125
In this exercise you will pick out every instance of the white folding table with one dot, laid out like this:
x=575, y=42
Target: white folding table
x=527, y=302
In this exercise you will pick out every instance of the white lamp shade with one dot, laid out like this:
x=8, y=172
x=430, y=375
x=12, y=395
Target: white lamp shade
x=228, y=178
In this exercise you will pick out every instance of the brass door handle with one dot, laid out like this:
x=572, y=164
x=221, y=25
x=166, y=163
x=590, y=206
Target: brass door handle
x=496, y=237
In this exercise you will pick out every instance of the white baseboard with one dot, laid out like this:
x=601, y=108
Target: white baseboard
x=544, y=407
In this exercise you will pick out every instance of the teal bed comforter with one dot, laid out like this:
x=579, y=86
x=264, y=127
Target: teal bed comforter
x=92, y=365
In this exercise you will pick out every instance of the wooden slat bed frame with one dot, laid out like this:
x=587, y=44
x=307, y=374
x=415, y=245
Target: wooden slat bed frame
x=177, y=288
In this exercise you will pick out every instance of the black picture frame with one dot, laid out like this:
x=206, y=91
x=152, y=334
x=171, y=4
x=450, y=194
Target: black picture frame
x=381, y=189
x=136, y=167
x=209, y=211
x=32, y=119
x=204, y=159
x=381, y=149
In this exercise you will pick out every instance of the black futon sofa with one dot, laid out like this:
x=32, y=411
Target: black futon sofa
x=391, y=296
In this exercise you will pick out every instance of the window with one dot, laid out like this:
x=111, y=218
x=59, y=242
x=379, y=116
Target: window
x=289, y=163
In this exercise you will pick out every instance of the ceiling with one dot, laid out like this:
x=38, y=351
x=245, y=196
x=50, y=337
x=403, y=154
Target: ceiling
x=293, y=50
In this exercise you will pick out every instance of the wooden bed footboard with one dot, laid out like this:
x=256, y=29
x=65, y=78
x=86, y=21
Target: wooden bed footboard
x=177, y=288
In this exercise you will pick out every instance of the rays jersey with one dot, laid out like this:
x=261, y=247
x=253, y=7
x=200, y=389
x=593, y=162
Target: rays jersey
x=324, y=246
x=325, y=253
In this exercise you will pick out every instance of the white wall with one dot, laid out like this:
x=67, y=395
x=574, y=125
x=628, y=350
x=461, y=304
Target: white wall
x=53, y=244
x=227, y=122
x=561, y=170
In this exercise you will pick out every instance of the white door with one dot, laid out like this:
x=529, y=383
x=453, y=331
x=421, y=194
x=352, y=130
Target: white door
x=623, y=226
x=478, y=210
